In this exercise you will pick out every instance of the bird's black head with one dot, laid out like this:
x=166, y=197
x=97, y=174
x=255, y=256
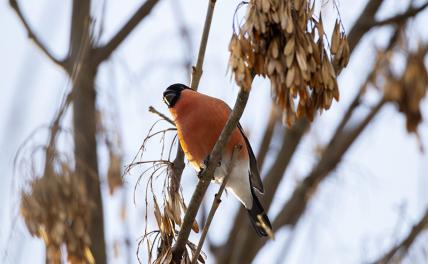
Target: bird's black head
x=172, y=93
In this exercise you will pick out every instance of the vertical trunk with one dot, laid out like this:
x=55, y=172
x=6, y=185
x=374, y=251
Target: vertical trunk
x=83, y=73
x=85, y=151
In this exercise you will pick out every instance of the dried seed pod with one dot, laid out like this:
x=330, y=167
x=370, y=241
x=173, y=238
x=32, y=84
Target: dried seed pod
x=57, y=210
x=283, y=41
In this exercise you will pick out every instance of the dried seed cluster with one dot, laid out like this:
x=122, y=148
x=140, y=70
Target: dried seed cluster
x=283, y=41
x=167, y=221
x=410, y=88
x=56, y=209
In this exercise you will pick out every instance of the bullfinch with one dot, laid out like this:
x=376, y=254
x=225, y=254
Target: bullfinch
x=199, y=119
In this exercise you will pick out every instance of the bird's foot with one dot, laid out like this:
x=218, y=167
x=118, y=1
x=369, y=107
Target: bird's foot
x=204, y=166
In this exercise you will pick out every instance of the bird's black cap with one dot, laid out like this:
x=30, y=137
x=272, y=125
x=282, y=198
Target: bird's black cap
x=172, y=93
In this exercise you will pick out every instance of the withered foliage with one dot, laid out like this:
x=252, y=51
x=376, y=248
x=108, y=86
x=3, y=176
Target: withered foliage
x=409, y=88
x=168, y=214
x=285, y=42
x=56, y=209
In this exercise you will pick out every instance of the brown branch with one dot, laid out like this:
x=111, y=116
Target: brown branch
x=267, y=136
x=332, y=156
x=400, y=18
x=207, y=175
x=54, y=128
x=197, y=70
x=362, y=26
x=395, y=254
x=215, y=204
x=102, y=53
x=196, y=76
x=164, y=117
x=291, y=139
x=339, y=144
x=296, y=205
x=83, y=77
x=36, y=40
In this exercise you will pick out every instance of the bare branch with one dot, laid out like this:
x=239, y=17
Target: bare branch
x=362, y=26
x=400, y=18
x=197, y=70
x=291, y=139
x=196, y=76
x=296, y=205
x=267, y=136
x=395, y=254
x=207, y=175
x=37, y=41
x=215, y=204
x=164, y=117
x=178, y=164
x=102, y=53
x=332, y=156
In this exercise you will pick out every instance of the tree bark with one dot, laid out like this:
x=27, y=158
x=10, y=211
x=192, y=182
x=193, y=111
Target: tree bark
x=83, y=74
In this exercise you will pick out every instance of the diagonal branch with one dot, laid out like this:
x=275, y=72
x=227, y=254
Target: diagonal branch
x=267, y=135
x=207, y=175
x=227, y=253
x=37, y=41
x=395, y=254
x=216, y=202
x=400, y=18
x=161, y=115
x=102, y=53
x=362, y=26
x=296, y=205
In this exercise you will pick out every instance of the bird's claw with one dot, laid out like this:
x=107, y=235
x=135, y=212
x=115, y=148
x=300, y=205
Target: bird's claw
x=204, y=166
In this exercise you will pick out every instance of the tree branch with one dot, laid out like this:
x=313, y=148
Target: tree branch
x=102, y=53
x=296, y=205
x=291, y=139
x=207, y=175
x=164, y=117
x=362, y=26
x=400, y=18
x=215, y=204
x=332, y=156
x=197, y=71
x=267, y=136
x=196, y=76
x=395, y=254
x=36, y=40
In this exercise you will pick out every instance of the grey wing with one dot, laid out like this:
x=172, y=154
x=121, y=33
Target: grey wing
x=255, y=180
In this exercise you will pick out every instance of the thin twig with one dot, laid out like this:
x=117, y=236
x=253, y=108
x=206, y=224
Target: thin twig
x=197, y=70
x=196, y=76
x=163, y=116
x=37, y=41
x=207, y=175
x=400, y=18
x=178, y=163
x=102, y=53
x=395, y=254
x=216, y=203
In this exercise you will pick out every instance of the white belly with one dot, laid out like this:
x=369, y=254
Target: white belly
x=238, y=182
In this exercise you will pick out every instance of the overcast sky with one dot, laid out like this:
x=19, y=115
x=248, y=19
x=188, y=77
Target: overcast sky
x=371, y=201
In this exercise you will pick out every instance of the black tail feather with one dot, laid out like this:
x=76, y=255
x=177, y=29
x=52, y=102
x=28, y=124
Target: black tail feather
x=258, y=217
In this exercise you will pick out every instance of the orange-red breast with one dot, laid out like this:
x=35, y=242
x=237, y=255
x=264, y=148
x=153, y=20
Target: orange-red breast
x=199, y=119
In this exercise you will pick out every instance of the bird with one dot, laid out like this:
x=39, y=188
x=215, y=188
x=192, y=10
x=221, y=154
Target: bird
x=199, y=120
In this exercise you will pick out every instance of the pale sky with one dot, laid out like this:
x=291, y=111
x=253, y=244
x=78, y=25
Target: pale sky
x=368, y=203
